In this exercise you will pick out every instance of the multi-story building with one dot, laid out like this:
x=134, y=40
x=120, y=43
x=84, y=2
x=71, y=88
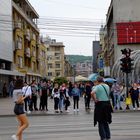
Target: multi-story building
x=28, y=50
x=7, y=71
x=122, y=31
x=68, y=69
x=83, y=68
x=55, y=59
x=96, y=50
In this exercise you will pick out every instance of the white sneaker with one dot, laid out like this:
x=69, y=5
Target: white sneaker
x=134, y=108
x=67, y=111
x=138, y=108
x=14, y=137
x=74, y=110
x=29, y=112
x=77, y=110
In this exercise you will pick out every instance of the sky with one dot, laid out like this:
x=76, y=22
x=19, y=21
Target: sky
x=76, y=23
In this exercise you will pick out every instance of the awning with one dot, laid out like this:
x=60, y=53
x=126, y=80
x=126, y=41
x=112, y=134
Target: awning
x=33, y=74
x=8, y=72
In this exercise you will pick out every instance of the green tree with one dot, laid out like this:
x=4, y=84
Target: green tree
x=60, y=80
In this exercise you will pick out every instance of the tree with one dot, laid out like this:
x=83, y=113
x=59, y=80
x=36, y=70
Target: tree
x=60, y=80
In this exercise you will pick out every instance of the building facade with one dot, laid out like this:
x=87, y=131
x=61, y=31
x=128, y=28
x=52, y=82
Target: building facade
x=83, y=68
x=55, y=59
x=121, y=30
x=96, y=50
x=22, y=53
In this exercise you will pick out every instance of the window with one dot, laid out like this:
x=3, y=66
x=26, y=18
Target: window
x=49, y=66
x=57, y=54
x=57, y=73
x=57, y=65
x=49, y=57
x=57, y=49
x=49, y=73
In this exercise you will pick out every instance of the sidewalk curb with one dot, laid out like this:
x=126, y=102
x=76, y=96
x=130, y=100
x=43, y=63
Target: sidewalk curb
x=35, y=114
x=58, y=114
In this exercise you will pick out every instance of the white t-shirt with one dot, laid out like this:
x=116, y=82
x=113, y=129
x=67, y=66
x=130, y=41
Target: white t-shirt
x=16, y=94
x=27, y=91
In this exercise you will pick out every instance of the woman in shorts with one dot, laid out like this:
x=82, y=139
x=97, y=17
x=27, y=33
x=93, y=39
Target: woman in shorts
x=19, y=109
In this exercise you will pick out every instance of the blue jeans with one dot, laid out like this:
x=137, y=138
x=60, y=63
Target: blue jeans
x=61, y=104
x=117, y=101
x=104, y=130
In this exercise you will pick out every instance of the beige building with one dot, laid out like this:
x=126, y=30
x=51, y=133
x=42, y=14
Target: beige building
x=29, y=55
x=68, y=69
x=55, y=59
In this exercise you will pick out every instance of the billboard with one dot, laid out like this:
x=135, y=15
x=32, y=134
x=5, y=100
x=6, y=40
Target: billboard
x=128, y=33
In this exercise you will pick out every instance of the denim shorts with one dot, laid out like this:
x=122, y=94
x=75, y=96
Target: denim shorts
x=19, y=109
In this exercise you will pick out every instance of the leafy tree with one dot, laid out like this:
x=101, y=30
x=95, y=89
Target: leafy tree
x=60, y=80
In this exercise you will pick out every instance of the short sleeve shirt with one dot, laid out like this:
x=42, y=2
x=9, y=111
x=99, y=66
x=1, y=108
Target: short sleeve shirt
x=101, y=93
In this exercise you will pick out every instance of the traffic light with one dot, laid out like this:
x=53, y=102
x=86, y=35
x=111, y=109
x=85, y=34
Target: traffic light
x=126, y=62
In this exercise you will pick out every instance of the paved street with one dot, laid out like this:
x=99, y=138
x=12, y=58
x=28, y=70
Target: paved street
x=125, y=126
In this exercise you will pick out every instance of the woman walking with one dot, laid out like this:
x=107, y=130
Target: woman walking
x=19, y=109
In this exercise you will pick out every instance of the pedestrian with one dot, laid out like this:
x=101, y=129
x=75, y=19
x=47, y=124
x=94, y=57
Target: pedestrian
x=11, y=87
x=56, y=97
x=19, y=109
x=34, y=97
x=87, y=95
x=76, y=96
x=28, y=93
x=62, y=91
x=4, y=90
x=102, y=112
x=116, y=89
x=134, y=93
x=44, y=92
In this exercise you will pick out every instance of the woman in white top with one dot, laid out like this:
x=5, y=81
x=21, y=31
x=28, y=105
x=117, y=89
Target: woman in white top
x=19, y=109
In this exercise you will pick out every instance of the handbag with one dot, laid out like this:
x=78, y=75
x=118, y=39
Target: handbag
x=128, y=101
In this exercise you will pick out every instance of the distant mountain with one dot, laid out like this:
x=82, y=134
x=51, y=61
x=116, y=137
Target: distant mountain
x=73, y=59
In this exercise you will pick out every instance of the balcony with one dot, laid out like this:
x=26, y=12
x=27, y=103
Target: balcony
x=17, y=25
x=27, y=35
x=18, y=45
x=17, y=8
x=33, y=36
x=28, y=52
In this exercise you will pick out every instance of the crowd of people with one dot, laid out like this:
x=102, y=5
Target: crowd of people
x=26, y=97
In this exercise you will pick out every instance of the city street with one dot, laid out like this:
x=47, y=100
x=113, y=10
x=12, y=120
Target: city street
x=125, y=126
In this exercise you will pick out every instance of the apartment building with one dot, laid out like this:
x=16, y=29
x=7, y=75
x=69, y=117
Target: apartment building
x=29, y=52
x=55, y=59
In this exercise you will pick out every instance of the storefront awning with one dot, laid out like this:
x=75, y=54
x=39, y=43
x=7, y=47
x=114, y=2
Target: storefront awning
x=34, y=74
x=8, y=72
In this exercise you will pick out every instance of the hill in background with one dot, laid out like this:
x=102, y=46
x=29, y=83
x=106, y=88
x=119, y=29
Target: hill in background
x=73, y=59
